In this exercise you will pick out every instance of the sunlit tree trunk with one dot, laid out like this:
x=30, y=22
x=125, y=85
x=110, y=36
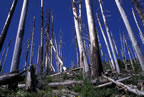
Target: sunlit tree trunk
x=7, y=23
x=109, y=38
x=18, y=43
x=131, y=34
x=19, y=38
x=27, y=54
x=96, y=69
x=83, y=58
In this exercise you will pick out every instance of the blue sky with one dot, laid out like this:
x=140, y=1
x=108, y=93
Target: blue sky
x=63, y=21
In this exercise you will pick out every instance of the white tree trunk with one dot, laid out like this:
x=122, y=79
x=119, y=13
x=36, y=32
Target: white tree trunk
x=96, y=68
x=83, y=58
x=105, y=40
x=140, y=31
x=19, y=38
x=131, y=34
x=109, y=38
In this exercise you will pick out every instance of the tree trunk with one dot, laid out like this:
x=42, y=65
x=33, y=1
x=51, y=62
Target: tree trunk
x=32, y=42
x=41, y=40
x=19, y=38
x=131, y=34
x=139, y=9
x=83, y=58
x=96, y=69
x=109, y=38
x=18, y=43
x=140, y=31
x=105, y=40
x=27, y=54
x=7, y=23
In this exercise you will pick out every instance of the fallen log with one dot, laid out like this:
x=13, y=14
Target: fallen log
x=11, y=77
x=125, y=87
x=109, y=83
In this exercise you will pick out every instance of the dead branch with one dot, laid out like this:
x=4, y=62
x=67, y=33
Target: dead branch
x=128, y=88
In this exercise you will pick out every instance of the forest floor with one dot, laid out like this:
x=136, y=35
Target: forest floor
x=84, y=89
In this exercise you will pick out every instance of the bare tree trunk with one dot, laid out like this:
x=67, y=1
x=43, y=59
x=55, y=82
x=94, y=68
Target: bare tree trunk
x=131, y=61
x=105, y=40
x=41, y=40
x=140, y=31
x=19, y=38
x=109, y=38
x=96, y=69
x=83, y=58
x=32, y=42
x=115, y=46
x=7, y=23
x=139, y=9
x=27, y=54
x=131, y=34
x=18, y=43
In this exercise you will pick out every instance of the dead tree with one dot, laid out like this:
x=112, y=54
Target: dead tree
x=131, y=61
x=106, y=42
x=32, y=41
x=115, y=46
x=109, y=38
x=41, y=39
x=139, y=10
x=95, y=60
x=7, y=23
x=131, y=34
x=18, y=43
x=27, y=54
x=47, y=57
x=83, y=58
x=19, y=38
x=140, y=31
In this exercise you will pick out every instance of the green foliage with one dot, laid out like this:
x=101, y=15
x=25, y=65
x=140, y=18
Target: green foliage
x=48, y=79
x=65, y=76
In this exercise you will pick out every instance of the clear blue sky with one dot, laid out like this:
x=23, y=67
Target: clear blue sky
x=63, y=20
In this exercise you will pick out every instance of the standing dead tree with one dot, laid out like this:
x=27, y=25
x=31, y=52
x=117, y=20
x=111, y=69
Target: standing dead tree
x=106, y=42
x=7, y=23
x=32, y=41
x=139, y=10
x=140, y=31
x=83, y=58
x=19, y=38
x=41, y=39
x=95, y=60
x=109, y=38
x=131, y=34
x=1, y=59
x=18, y=43
x=27, y=54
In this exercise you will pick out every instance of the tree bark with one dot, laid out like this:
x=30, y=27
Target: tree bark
x=7, y=23
x=131, y=34
x=96, y=69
